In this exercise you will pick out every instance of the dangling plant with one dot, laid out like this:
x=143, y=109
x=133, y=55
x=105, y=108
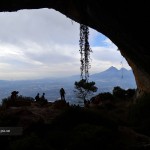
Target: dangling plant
x=84, y=51
x=83, y=87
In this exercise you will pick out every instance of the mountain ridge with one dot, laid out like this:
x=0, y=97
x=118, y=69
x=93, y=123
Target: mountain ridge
x=112, y=71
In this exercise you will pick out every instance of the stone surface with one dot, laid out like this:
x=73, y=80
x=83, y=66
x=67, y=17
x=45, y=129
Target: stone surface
x=126, y=23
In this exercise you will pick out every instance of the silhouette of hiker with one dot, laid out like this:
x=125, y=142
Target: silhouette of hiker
x=14, y=95
x=43, y=97
x=62, y=94
x=37, y=97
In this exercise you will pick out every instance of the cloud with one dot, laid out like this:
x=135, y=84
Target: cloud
x=106, y=56
x=44, y=43
x=41, y=26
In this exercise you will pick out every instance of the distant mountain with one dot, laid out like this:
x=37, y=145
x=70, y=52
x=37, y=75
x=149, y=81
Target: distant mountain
x=113, y=77
x=112, y=71
x=105, y=81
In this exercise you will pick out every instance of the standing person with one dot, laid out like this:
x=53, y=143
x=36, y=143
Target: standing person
x=37, y=97
x=62, y=94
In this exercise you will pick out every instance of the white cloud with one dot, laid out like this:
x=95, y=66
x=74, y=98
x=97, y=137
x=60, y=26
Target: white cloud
x=44, y=43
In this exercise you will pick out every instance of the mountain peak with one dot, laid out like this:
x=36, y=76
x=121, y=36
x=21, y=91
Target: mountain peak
x=112, y=68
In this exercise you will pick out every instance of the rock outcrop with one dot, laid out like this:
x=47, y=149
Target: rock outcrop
x=126, y=23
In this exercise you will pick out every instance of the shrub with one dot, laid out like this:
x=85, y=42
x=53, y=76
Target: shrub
x=118, y=92
x=20, y=101
x=130, y=93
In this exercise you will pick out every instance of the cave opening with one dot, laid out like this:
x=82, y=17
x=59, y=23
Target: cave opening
x=33, y=61
x=43, y=43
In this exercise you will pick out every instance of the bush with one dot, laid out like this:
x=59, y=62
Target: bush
x=106, y=96
x=118, y=92
x=20, y=101
x=123, y=94
x=130, y=93
x=102, y=97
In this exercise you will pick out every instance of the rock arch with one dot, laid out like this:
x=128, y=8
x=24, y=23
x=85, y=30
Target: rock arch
x=126, y=23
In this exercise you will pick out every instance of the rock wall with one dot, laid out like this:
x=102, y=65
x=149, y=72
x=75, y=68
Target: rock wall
x=142, y=78
x=126, y=23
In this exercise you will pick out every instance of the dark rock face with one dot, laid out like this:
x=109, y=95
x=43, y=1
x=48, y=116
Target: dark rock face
x=126, y=23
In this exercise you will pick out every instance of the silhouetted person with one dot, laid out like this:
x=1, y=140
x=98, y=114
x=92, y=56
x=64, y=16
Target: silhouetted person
x=62, y=94
x=43, y=97
x=14, y=95
x=37, y=97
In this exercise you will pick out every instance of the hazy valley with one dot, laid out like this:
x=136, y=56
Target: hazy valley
x=105, y=81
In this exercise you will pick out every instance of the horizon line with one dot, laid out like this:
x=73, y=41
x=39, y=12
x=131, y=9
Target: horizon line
x=58, y=77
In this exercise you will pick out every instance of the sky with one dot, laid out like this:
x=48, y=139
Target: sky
x=44, y=43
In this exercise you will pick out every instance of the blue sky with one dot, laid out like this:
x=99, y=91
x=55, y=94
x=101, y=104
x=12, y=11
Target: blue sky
x=99, y=40
x=44, y=43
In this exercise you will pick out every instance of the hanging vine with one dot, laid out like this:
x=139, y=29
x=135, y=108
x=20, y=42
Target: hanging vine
x=84, y=51
x=83, y=88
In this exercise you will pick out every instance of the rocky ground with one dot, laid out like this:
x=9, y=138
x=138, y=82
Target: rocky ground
x=58, y=125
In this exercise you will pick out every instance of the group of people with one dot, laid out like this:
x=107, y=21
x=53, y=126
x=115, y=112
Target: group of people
x=38, y=98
